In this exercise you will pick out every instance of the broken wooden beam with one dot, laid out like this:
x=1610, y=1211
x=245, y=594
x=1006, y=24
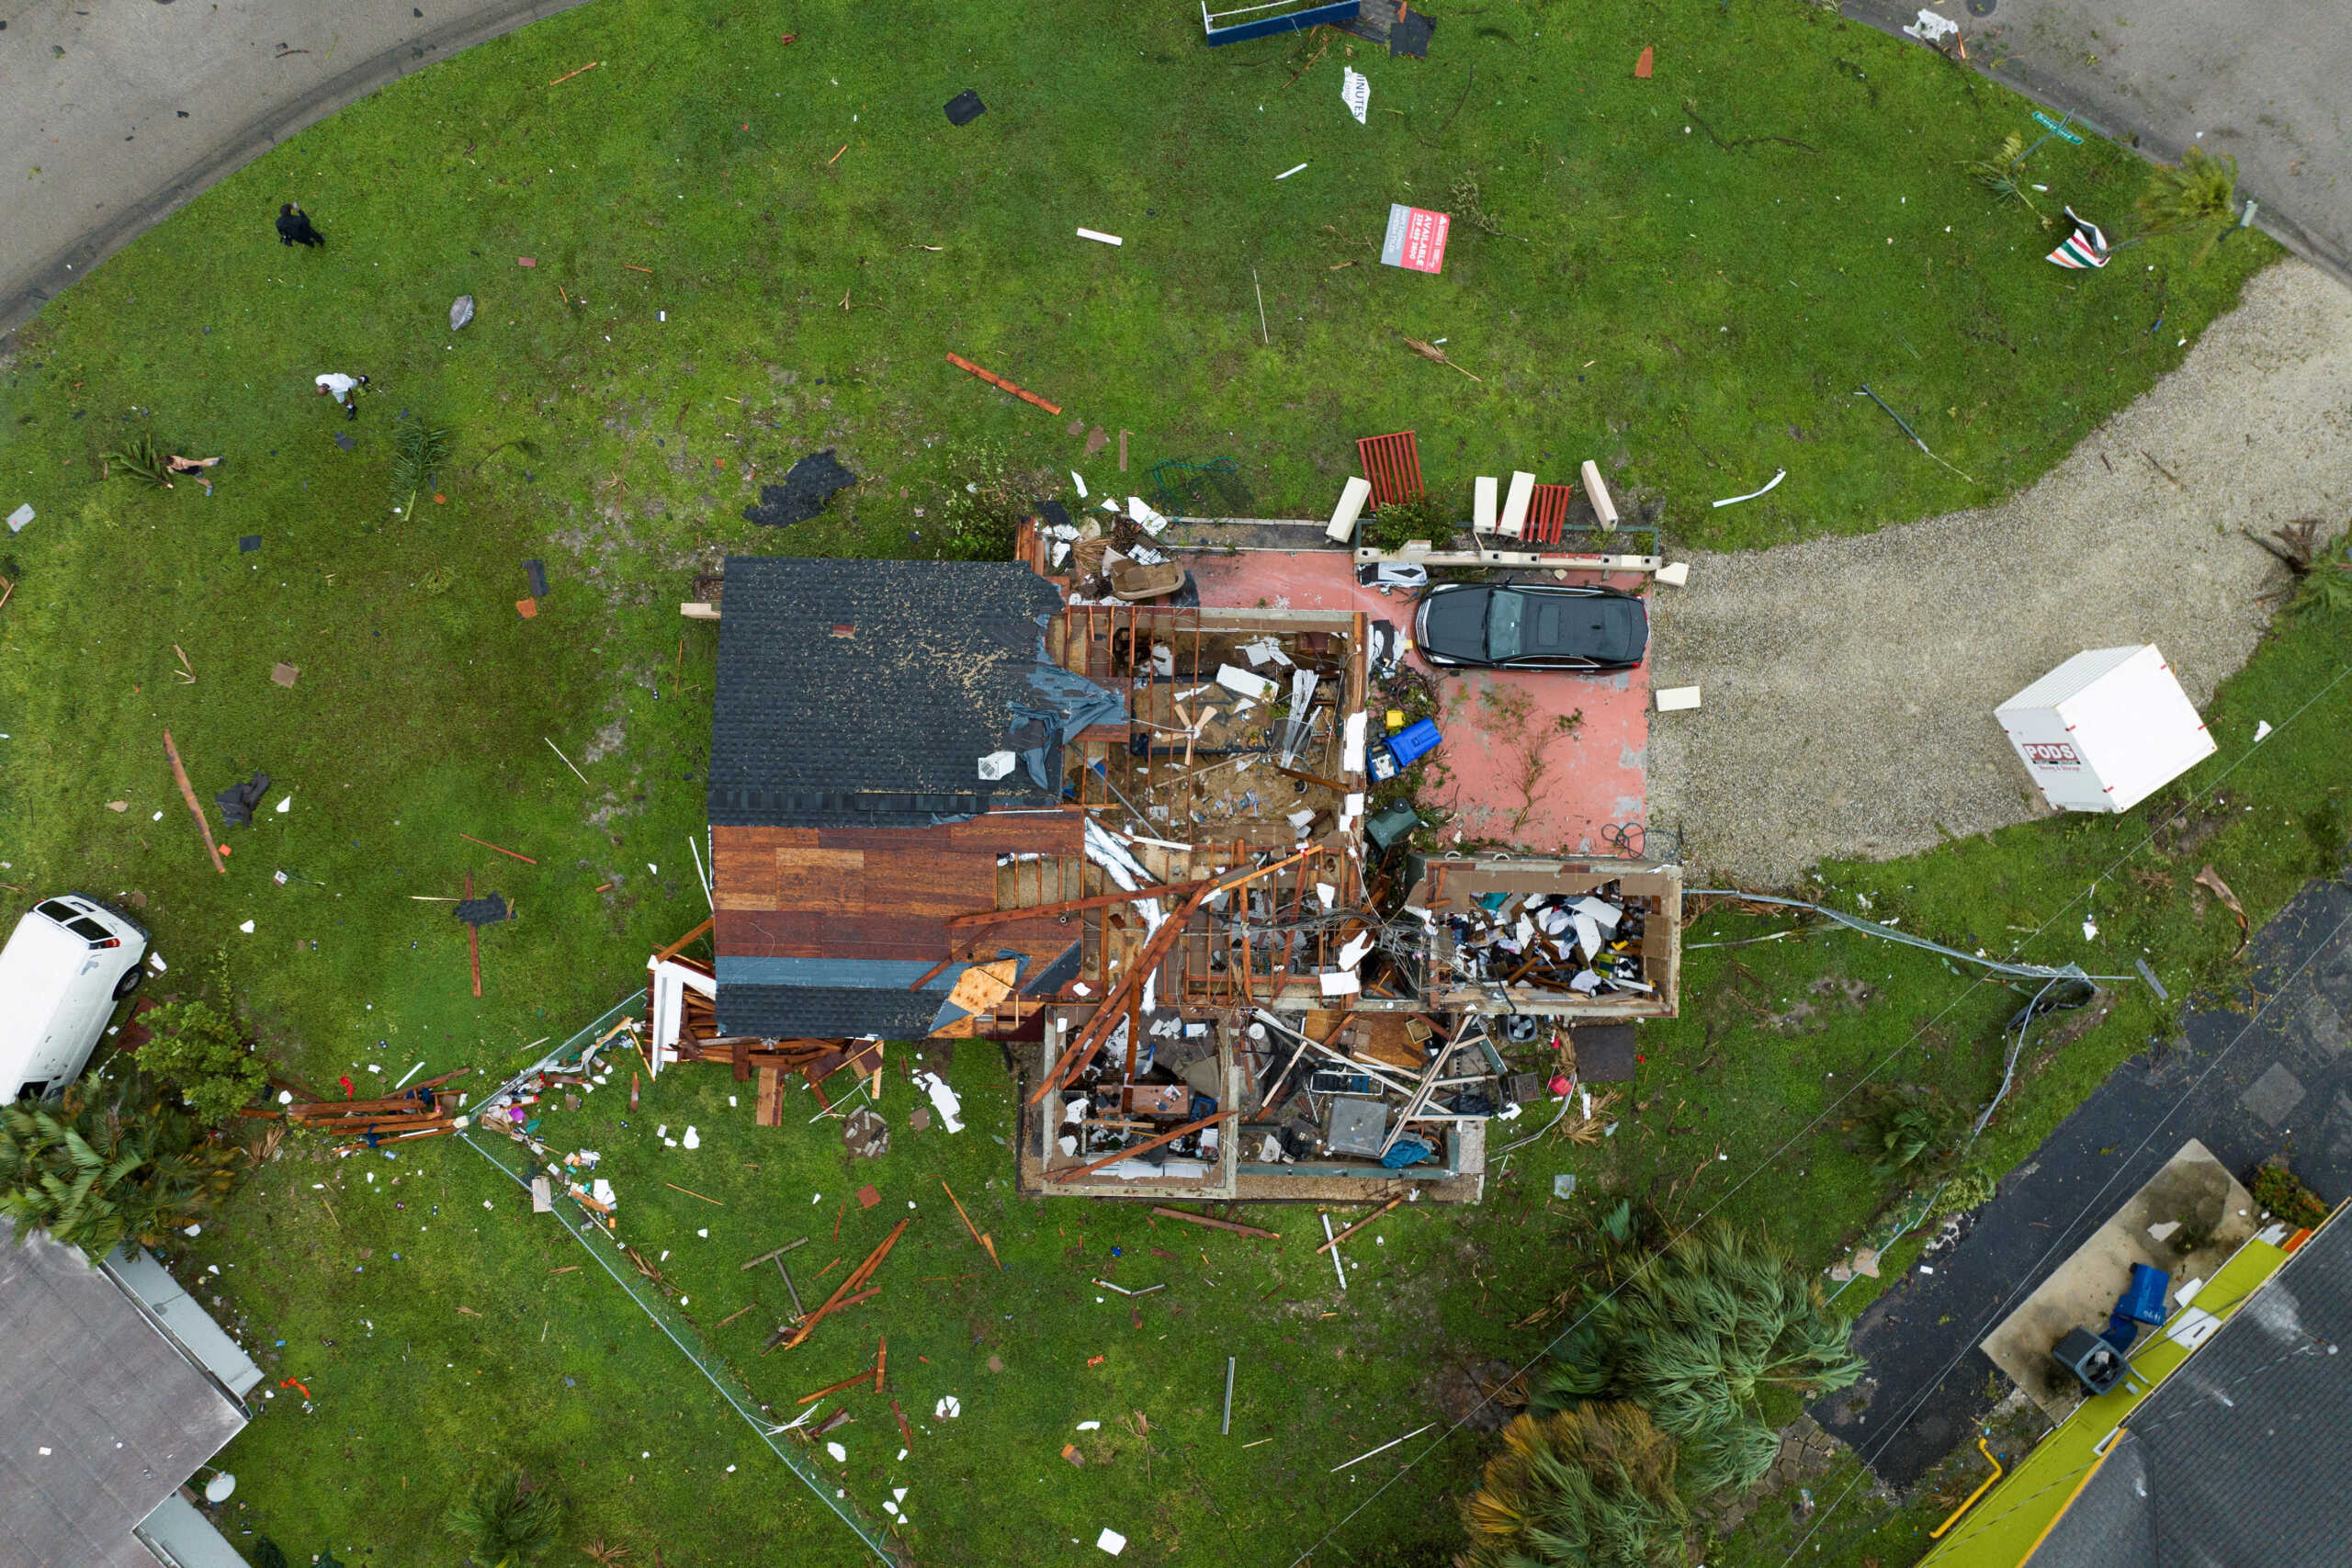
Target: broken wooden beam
x=1187, y=1215
x=1359, y=1224
x=856, y=1277
x=968, y=1221
x=851, y=1381
x=993, y=379
x=188, y=793
x=1071, y=906
x=779, y=1252
x=1147, y=1145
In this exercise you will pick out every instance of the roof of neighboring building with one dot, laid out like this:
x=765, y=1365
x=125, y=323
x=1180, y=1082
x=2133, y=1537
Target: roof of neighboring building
x=865, y=692
x=2203, y=1455
x=2218, y=1465
x=106, y=1416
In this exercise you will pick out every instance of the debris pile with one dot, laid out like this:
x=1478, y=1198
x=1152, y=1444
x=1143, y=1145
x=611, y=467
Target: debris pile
x=413, y=1112
x=1588, y=946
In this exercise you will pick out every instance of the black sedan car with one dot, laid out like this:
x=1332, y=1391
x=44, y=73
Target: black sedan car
x=1530, y=626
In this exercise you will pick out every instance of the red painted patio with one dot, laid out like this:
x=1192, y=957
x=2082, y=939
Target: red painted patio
x=1508, y=771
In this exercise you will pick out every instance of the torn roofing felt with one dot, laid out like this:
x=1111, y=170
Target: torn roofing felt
x=866, y=693
x=807, y=487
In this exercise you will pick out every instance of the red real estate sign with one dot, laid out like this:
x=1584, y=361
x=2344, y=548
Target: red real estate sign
x=1416, y=239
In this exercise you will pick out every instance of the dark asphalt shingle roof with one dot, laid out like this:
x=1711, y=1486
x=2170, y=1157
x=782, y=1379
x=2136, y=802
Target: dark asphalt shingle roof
x=826, y=1012
x=2235, y=1459
x=886, y=725
x=105, y=1416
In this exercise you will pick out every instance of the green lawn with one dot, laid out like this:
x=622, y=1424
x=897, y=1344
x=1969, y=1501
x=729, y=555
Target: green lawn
x=1729, y=298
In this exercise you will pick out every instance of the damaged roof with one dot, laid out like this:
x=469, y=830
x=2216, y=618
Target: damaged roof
x=865, y=692
x=106, y=1416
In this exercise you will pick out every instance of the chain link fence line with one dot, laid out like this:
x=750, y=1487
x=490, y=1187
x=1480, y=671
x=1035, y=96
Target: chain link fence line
x=681, y=1330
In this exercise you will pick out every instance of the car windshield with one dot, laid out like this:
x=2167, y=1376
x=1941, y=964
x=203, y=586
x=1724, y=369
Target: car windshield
x=1503, y=611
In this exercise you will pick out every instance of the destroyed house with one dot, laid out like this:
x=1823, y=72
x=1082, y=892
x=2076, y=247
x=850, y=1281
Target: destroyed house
x=968, y=799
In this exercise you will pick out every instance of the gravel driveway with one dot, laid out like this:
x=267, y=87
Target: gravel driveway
x=1850, y=681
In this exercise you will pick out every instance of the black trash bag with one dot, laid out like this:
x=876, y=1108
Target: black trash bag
x=487, y=911
x=237, y=802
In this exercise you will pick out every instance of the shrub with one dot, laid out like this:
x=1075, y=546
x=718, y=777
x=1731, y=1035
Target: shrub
x=1590, y=1487
x=2198, y=193
x=202, y=1054
x=1422, y=516
x=984, y=502
x=117, y=1161
x=1914, y=1130
x=1968, y=1190
x=508, y=1518
x=2282, y=1193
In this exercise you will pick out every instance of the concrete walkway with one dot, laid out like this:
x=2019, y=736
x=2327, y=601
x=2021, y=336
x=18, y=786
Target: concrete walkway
x=116, y=115
x=2273, y=1076
x=2262, y=80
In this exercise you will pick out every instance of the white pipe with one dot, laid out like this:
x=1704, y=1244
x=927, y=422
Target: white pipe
x=1751, y=495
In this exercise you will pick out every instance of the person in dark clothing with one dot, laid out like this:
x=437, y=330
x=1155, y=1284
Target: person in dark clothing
x=294, y=227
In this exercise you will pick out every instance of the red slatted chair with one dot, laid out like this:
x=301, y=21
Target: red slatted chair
x=1548, y=513
x=1393, y=464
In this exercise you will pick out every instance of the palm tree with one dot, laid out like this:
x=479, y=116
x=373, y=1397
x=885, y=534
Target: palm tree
x=117, y=1160
x=508, y=1518
x=1589, y=1487
x=2199, y=192
x=1695, y=1339
x=598, y=1553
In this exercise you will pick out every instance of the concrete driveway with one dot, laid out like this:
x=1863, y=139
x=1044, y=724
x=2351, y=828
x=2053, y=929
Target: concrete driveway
x=2262, y=80
x=115, y=113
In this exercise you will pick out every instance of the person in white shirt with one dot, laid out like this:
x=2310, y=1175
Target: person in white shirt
x=343, y=390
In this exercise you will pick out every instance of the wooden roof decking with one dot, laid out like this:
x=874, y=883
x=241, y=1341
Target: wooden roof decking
x=878, y=892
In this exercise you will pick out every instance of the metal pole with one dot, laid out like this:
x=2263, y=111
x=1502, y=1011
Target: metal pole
x=1227, y=1426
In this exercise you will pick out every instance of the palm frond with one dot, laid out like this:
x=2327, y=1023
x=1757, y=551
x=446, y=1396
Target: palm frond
x=419, y=449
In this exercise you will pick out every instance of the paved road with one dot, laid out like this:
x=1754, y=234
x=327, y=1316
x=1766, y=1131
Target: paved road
x=115, y=113
x=2263, y=80
x=2276, y=1078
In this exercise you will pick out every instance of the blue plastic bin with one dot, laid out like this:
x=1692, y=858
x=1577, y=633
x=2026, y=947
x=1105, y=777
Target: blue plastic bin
x=2144, y=1302
x=1413, y=742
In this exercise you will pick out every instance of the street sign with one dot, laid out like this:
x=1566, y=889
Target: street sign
x=2058, y=128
